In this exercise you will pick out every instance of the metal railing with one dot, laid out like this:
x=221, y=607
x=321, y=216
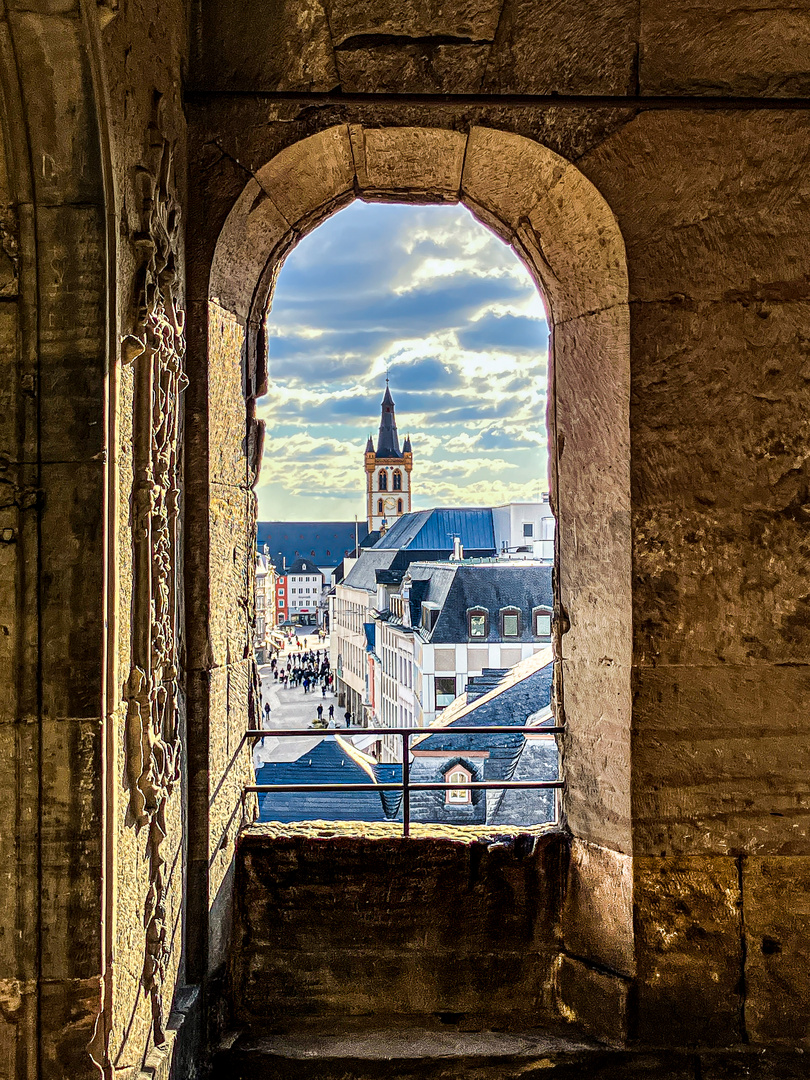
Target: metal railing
x=406, y=785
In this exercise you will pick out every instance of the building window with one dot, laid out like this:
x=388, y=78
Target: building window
x=528, y=528
x=383, y=481
x=477, y=622
x=399, y=506
x=542, y=623
x=397, y=481
x=429, y=616
x=510, y=622
x=458, y=795
x=379, y=506
x=445, y=690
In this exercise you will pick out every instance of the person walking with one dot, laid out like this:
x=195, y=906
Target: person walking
x=306, y=684
x=319, y=711
x=323, y=689
x=331, y=712
x=347, y=716
x=267, y=714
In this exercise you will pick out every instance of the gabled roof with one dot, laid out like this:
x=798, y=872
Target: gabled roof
x=303, y=566
x=325, y=542
x=435, y=530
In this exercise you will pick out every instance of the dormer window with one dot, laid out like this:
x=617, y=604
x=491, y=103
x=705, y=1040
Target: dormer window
x=397, y=481
x=383, y=481
x=541, y=620
x=477, y=622
x=510, y=622
x=430, y=613
x=458, y=775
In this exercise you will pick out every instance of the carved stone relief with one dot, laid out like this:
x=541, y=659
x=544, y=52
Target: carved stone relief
x=156, y=349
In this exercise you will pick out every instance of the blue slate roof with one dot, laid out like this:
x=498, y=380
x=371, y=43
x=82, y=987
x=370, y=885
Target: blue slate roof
x=434, y=530
x=327, y=763
x=325, y=542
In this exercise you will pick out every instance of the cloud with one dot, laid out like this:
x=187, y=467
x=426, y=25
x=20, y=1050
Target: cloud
x=432, y=296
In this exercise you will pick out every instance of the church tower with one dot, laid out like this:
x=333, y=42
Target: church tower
x=388, y=471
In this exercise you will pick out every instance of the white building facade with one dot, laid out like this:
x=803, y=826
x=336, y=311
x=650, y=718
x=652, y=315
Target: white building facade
x=425, y=666
x=304, y=585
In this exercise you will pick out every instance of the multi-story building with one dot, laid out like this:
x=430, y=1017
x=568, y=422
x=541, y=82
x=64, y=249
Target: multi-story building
x=304, y=586
x=448, y=621
x=423, y=536
x=265, y=606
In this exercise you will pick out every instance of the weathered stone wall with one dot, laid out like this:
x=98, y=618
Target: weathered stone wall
x=468, y=934
x=90, y=95
x=689, y=848
x=51, y=494
x=688, y=803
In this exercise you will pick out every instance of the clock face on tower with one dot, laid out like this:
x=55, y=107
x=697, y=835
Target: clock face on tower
x=389, y=504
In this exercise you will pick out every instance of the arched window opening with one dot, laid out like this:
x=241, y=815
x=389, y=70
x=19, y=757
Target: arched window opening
x=383, y=481
x=397, y=481
x=582, y=243
x=541, y=623
x=478, y=623
x=510, y=622
x=525, y=193
x=458, y=775
x=399, y=506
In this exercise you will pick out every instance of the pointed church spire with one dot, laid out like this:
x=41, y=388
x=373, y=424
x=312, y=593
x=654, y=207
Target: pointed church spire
x=388, y=440
x=370, y=445
x=406, y=447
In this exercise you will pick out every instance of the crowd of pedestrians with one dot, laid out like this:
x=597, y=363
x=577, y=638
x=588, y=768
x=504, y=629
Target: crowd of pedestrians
x=309, y=669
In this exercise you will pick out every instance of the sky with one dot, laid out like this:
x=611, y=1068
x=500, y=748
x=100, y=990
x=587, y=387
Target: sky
x=429, y=294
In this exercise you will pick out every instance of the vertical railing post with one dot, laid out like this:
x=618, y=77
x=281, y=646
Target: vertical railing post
x=406, y=791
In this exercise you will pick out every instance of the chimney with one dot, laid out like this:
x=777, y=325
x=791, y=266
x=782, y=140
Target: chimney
x=458, y=550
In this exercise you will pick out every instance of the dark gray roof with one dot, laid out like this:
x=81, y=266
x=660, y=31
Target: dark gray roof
x=303, y=566
x=388, y=440
x=431, y=583
x=386, y=561
x=363, y=575
x=539, y=760
x=511, y=756
x=492, y=586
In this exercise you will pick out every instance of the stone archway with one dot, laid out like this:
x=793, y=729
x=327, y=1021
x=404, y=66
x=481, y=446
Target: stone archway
x=566, y=234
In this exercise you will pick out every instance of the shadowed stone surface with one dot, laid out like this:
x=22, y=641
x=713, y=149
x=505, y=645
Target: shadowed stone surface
x=672, y=247
x=386, y=943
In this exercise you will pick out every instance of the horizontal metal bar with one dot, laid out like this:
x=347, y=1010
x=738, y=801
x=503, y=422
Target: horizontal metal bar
x=480, y=785
x=494, y=729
